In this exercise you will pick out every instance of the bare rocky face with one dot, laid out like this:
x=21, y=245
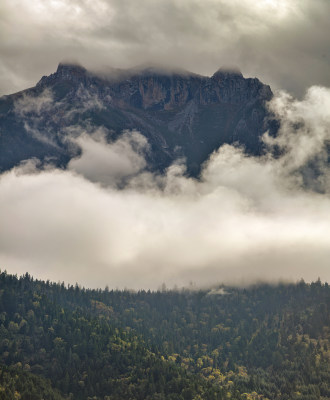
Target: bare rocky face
x=181, y=114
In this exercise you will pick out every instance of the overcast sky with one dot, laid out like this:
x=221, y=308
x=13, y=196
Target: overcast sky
x=283, y=42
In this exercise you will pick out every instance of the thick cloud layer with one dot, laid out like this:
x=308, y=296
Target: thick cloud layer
x=246, y=219
x=283, y=42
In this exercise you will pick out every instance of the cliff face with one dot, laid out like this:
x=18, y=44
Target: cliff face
x=150, y=89
x=181, y=114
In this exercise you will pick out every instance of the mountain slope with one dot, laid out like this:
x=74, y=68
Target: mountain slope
x=264, y=342
x=180, y=113
x=15, y=383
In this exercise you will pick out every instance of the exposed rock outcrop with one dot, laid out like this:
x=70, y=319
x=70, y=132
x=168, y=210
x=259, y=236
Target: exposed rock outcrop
x=179, y=112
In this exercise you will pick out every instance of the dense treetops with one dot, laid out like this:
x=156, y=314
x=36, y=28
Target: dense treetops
x=65, y=342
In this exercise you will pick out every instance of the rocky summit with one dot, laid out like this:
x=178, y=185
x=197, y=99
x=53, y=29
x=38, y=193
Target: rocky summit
x=183, y=115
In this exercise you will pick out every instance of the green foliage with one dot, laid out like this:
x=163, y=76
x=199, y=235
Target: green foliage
x=265, y=342
x=17, y=384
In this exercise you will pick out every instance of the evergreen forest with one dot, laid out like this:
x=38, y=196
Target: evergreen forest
x=61, y=342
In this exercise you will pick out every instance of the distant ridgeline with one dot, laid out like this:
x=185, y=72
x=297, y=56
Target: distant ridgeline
x=180, y=113
x=263, y=342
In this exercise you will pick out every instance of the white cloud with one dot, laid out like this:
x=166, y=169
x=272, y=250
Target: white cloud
x=110, y=164
x=246, y=219
x=304, y=136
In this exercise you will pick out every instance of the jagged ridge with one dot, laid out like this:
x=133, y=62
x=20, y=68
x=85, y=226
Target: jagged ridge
x=180, y=113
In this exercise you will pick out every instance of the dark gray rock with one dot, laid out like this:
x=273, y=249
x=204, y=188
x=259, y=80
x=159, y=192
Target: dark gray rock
x=179, y=112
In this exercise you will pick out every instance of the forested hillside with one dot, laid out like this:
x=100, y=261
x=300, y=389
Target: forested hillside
x=66, y=342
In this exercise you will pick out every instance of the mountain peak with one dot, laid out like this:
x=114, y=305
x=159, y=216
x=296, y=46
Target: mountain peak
x=72, y=68
x=227, y=72
x=65, y=71
x=180, y=113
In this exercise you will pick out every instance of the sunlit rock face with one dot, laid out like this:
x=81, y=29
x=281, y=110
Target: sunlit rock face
x=180, y=113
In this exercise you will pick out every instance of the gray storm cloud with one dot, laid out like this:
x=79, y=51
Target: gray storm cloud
x=283, y=42
x=245, y=219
